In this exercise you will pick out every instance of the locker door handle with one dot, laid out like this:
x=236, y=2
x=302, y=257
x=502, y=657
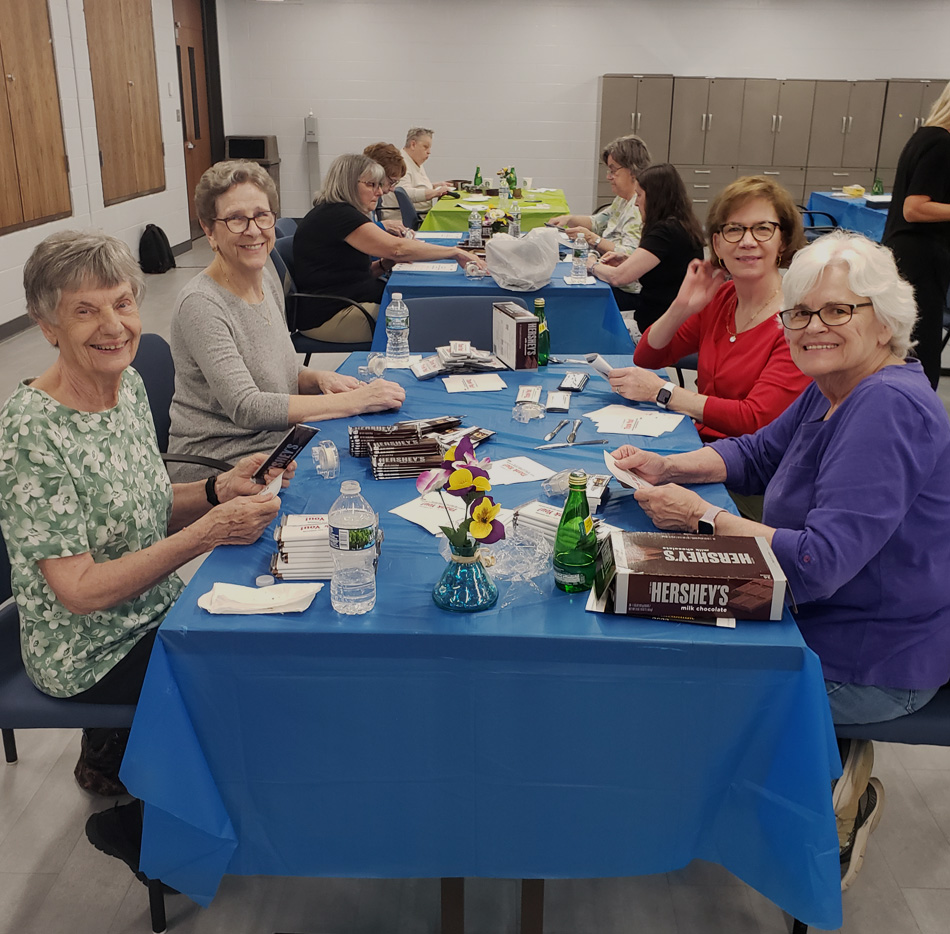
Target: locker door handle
x=704, y=123
x=773, y=123
x=709, y=123
x=850, y=119
x=844, y=123
x=633, y=122
x=780, y=123
x=638, y=121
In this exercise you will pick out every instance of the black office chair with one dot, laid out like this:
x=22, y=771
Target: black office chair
x=154, y=363
x=285, y=226
x=283, y=258
x=409, y=215
x=689, y=362
x=929, y=726
x=815, y=230
x=435, y=321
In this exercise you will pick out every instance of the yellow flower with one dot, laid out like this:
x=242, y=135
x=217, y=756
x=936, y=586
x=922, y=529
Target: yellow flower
x=461, y=480
x=482, y=515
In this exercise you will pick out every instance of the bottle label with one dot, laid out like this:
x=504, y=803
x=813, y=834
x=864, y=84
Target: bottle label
x=568, y=577
x=396, y=324
x=542, y=327
x=588, y=525
x=352, y=539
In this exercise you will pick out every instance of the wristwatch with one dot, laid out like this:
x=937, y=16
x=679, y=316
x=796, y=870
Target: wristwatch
x=596, y=243
x=664, y=395
x=707, y=524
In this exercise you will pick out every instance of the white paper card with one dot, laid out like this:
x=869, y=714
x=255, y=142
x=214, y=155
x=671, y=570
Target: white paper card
x=425, y=267
x=625, y=476
x=278, y=598
x=437, y=235
x=590, y=280
x=429, y=511
x=480, y=382
x=517, y=470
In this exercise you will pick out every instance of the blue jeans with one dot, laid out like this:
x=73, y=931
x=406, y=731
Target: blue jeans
x=861, y=703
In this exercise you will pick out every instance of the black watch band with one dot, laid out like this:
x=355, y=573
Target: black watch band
x=210, y=493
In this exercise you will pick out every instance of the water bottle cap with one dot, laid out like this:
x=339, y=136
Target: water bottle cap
x=349, y=486
x=397, y=296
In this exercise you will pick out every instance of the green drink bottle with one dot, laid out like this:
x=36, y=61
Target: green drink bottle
x=544, y=335
x=477, y=181
x=575, y=545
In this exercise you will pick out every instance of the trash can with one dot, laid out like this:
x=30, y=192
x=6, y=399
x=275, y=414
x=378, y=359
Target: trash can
x=259, y=149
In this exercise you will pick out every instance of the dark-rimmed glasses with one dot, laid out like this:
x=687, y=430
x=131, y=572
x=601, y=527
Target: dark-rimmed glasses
x=238, y=223
x=762, y=231
x=834, y=314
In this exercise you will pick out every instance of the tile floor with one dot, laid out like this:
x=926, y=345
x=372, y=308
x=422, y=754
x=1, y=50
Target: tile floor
x=52, y=881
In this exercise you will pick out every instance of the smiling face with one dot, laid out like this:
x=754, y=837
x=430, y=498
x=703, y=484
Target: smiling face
x=248, y=251
x=419, y=149
x=750, y=258
x=621, y=180
x=97, y=330
x=842, y=355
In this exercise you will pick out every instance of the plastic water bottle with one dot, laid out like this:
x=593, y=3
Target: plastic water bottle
x=579, y=259
x=514, y=228
x=474, y=229
x=353, y=546
x=503, y=192
x=397, y=330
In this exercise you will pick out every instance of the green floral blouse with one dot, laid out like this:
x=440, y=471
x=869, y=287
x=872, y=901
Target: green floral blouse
x=622, y=224
x=70, y=483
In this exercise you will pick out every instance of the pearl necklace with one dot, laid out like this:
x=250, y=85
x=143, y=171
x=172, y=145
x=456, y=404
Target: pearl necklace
x=734, y=331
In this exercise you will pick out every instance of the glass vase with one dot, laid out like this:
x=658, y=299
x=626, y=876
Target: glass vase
x=465, y=586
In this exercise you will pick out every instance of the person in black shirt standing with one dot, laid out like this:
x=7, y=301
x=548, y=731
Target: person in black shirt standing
x=918, y=228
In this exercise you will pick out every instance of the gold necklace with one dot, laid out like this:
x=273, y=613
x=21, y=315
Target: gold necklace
x=734, y=330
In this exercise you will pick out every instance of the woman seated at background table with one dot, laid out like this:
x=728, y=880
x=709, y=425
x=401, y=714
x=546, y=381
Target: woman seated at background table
x=334, y=248
x=745, y=375
x=617, y=228
x=238, y=380
x=672, y=237
x=94, y=528
x=389, y=157
x=856, y=477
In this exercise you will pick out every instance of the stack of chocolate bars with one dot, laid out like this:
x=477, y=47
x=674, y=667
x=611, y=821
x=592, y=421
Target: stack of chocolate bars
x=457, y=357
x=303, y=549
x=545, y=518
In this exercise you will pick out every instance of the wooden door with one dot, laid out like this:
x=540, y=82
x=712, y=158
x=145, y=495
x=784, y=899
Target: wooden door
x=33, y=115
x=148, y=151
x=11, y=211
x=759, y=120
x=193, y=85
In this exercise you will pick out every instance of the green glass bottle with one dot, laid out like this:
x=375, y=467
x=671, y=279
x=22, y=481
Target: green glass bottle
x=477, y=180
x=878, y=187
x=512, y=179
x=575, y=545
x=544, y=335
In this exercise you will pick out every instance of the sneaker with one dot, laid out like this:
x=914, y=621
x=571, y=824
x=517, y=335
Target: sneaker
x=869, y=815
x=856, y=764
x=118, y=832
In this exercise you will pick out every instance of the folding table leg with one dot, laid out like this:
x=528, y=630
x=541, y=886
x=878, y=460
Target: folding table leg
x=453, y=906
x=156, y=905
x=532, y=906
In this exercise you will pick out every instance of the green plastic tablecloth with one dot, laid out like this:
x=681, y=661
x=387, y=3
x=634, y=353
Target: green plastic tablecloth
x=448, y=215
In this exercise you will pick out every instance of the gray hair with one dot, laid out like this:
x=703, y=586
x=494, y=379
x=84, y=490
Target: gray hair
x=343, y=178
x=871, y=272
x=417, y=132
x=222, y=177
x=629, y=152
x=65, y=260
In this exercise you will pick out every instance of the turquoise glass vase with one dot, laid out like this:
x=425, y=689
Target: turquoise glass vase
x=465, y=585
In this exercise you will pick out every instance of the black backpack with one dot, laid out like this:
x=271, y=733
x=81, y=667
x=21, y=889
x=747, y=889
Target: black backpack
x=155, y=252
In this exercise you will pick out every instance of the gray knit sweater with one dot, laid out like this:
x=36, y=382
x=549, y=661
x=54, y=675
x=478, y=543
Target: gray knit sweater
x=235, y=368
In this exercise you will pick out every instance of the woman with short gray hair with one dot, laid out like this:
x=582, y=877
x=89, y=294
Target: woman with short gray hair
x=616, y=229
x=338, y=250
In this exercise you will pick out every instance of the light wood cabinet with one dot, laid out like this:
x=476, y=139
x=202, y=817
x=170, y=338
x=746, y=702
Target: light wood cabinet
x=125, y=91
x=906, y=108
x=776, y=119
x=706, y=119
x=846, y=123
x=34, y=179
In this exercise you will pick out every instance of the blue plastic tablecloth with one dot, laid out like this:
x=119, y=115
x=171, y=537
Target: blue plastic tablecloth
x=850, y=213
x=533, y=739
x=581, y=317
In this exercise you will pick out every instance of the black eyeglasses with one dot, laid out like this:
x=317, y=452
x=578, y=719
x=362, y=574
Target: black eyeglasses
x=764, y=230
x=834, y=314
x=238, y=223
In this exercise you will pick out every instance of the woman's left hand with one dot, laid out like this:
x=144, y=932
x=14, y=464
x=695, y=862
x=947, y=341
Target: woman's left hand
x=237, y=481
x=672, y=507
x=396, y=228
x=463, y=258
x=613, y=258
x=635, y=383
x=328, y=382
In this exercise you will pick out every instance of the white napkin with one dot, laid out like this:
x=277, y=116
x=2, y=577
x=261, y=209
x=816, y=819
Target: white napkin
x=279, y=598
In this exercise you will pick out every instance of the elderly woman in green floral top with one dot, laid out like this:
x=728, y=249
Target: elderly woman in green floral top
x=94, y=529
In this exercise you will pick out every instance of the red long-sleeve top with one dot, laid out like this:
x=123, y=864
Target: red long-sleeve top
x=749, y=382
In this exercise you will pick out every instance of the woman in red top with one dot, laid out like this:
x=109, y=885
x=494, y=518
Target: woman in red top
x=745, y=374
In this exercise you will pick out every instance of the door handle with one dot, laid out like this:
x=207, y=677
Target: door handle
x=638, y=121
x=779, y=123
x=633, y=122
x=704, y=123
x=709, y=122
x=189, y=145
x=844, y=123
x=850, y=119
x=773, y=123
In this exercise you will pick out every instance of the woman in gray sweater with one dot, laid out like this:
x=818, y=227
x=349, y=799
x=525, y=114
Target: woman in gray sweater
x=238, y=382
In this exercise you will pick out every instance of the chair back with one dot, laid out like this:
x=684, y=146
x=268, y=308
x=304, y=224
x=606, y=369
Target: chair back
x=435, y=321
x=410, y=216
x=285, y=227
x=815, y=230
x=155, y=365
x=6, y=587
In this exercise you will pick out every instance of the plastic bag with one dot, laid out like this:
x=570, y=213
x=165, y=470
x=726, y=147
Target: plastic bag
x=526, y=264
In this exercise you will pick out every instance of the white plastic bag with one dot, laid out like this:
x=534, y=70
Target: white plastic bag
x=523, y=265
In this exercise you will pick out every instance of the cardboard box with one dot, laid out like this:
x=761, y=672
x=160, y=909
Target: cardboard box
x=515, y=336
x=700, y=578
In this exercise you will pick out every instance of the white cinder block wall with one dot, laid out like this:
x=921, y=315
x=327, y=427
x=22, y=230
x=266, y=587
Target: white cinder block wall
x=516, y=81
x=501, y=81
